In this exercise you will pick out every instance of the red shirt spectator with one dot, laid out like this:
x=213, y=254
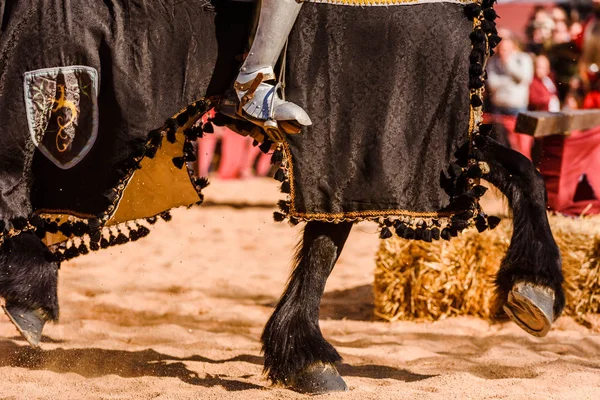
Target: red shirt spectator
x=592, y=100
x=542, y=90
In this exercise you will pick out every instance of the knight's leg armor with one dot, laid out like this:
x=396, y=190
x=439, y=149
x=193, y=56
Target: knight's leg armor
x=256, y=83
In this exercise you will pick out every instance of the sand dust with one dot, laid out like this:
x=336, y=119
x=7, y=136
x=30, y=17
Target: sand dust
x=178, y=315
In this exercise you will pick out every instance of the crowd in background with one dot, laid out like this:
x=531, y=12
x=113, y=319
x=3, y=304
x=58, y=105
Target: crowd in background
x=544, y=73
x=549, y=67
x=553, y=65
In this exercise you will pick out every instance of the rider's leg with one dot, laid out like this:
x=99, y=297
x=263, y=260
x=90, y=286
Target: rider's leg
x=255, y=84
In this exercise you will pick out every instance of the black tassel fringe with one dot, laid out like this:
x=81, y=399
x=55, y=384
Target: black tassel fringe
x=460, y=181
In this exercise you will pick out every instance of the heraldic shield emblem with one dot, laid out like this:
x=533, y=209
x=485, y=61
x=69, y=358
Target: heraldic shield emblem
x=62, y=112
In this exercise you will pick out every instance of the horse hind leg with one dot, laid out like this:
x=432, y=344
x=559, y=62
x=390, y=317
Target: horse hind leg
x=28, y=284
x=529, y=282
x=296, y=354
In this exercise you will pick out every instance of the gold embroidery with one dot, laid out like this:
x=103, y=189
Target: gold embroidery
x=62, y=139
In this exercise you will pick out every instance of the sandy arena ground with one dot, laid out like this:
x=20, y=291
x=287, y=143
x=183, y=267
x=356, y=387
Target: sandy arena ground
x=178, y=315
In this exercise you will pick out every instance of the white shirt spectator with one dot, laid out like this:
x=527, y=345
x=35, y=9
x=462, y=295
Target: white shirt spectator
x=509, y=80
x=510, y=73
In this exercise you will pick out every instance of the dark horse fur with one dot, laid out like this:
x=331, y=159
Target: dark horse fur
x=533, y=255
x=28, y=274
x=292, y=339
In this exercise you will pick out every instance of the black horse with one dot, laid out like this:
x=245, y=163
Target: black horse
x=149, y=84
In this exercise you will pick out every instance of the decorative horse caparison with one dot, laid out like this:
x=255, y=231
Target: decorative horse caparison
x=394, y=94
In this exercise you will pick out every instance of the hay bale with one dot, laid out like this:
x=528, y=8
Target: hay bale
x=432, y=281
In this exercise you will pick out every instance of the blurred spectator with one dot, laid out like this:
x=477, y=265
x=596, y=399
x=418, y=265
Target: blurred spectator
x=542, y=91
x=558, y=15
x=575, y=94
x=561, y=33
x=509, y=75
x=563, y=58
x=590, y=45
x=571, y=102
x=539, y=30
x=592, y=98
x=576, y=27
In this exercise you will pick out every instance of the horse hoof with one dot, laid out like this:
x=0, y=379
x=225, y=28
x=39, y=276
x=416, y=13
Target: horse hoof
x=319, y=378
x=29, y=323
x=531, y=307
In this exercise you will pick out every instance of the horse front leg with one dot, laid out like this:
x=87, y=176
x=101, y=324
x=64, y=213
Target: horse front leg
x=28, y=284
x=529, y=282
x=296, y=354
